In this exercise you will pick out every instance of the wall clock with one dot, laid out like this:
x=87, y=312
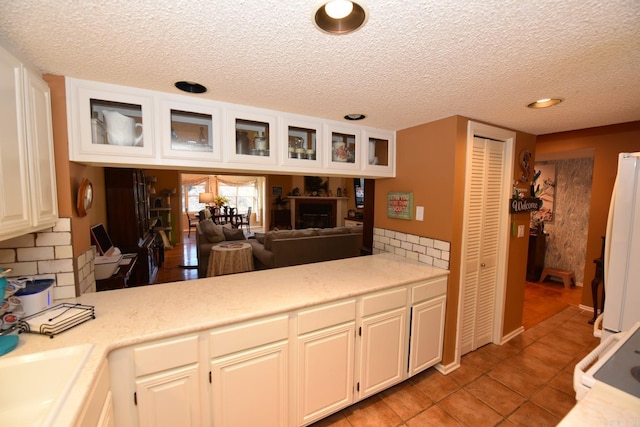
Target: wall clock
x=85, y=197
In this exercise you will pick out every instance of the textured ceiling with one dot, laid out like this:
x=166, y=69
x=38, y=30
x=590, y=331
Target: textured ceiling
x=413, y=61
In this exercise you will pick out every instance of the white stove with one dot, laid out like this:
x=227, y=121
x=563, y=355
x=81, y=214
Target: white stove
x=615, y=362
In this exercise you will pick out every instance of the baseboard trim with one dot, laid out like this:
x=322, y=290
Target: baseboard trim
x=585, y=308
x=447, y=369
x=511, y=335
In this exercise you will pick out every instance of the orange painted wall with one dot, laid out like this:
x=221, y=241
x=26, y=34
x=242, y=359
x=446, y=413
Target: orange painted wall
x=430, y=163
x=607, y=142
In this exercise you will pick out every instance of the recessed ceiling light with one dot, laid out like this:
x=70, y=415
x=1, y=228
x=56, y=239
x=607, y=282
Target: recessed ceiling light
x=340, y=17
x=546, y=102
x=354, y=116
x=191, y=87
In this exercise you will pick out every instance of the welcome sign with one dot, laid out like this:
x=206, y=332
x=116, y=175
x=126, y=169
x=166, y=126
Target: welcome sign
x=399, y=205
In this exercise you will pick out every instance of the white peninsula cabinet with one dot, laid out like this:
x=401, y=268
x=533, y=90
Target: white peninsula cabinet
x=27, y=169
x=286, y=369
x=249, y=381
x=326, y=337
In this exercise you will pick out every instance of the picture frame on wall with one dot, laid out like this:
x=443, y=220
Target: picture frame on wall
x=400, y=205
x=276, y=190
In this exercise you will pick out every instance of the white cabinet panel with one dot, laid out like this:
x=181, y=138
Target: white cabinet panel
x=378, y=152
x=250, y=388
x=28, y=198
x=427, y=334
x=325, y=372
x=383, y=351
x=170, y=398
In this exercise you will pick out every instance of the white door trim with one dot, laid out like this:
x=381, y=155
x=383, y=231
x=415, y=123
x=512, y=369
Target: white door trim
x=481, y=130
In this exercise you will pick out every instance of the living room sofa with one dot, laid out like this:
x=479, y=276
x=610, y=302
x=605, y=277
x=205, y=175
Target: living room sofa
x=281, y=248
x=284, y=248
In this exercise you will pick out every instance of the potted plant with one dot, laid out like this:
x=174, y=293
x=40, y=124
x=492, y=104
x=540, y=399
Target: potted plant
x=279, y=202
x=220, y=201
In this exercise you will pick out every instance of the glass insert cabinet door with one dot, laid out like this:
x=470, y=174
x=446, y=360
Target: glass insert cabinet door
x=378, y=152
x=116, y=123
x=302, y=143
x=252, y=138
x=343, y=147
x=191, y=131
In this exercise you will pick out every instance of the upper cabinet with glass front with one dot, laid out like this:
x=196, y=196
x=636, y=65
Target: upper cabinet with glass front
x=251, y=137
x=344, y=148
x=378, y=152
x=118, y=125
x=190, y=131
x=105, y=120
x=303, y=139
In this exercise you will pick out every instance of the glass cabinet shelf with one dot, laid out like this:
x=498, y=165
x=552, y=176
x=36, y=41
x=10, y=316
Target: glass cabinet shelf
x=378, y=152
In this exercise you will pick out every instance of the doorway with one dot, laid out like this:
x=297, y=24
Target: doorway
x=489, y=169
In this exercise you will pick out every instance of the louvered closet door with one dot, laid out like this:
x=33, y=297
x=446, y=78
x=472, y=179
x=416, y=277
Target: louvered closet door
x=484, y=197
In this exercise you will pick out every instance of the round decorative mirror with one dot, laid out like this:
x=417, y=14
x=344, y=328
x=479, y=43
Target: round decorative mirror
x=85, y=197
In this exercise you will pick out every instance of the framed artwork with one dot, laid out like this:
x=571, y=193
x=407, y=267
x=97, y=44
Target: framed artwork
x=276, y=190
x=544, y=185
x=316, y=185
x=400, y=205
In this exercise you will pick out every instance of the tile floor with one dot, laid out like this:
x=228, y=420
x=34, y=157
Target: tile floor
x=527, y=381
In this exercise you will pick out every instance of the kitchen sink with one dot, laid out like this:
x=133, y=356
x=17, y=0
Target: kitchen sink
x=35, y=386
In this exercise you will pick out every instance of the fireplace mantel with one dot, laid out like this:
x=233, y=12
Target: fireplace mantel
x=340, y=204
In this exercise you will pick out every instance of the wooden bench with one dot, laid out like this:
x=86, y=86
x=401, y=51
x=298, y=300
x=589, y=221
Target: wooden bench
x=567, y=277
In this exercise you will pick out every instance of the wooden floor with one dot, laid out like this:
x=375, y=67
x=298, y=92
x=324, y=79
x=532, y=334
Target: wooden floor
x=541, y=300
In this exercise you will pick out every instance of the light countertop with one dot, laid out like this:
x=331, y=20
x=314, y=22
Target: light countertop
x=604, y=405
x=135, y=315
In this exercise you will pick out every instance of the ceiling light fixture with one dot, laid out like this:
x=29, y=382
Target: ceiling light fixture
x=338, y=9
x=340, y=17
x=354, y=116
x=545, y=103
x=190, y=87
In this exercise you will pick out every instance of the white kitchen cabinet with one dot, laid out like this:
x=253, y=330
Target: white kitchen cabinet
x=325, y=362
x=343, y=145
x=428, y=304
x=113, y=125
x=27, y=170
x=249, y=381
x=383, y=341
x=251, y=137
x=190, y=131
x=161, y=383
x=167, y=383
x=304, y=142
x=98, y=410
x=169, y=398
x=378, y=152
x=110, y=124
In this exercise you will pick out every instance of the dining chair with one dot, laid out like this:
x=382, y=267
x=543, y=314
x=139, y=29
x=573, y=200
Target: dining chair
x=192, y=222
x=245, y=220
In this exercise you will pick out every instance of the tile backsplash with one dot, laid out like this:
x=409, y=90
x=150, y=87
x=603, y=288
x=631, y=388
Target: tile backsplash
x=48, y=254
x=423, y=249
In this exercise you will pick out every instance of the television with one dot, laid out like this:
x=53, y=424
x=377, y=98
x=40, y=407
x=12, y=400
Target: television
x=101, y=238
x=358, y=187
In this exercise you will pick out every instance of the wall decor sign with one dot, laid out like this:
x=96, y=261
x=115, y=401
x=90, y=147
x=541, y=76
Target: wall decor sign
x=527, y=204
x=400, y=205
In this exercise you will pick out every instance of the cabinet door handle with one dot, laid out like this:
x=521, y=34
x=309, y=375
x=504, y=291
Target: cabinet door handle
x=483, y=265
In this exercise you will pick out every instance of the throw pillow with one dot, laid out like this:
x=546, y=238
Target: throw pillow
x=212, y=232
x=233, y=233
x=259, y=237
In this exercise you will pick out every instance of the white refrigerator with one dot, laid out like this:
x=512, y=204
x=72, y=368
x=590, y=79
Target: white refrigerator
x=622, y=249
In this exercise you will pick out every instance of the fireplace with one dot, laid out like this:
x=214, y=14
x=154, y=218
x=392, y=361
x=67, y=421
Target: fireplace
x=316, y=215
x=317, y=212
